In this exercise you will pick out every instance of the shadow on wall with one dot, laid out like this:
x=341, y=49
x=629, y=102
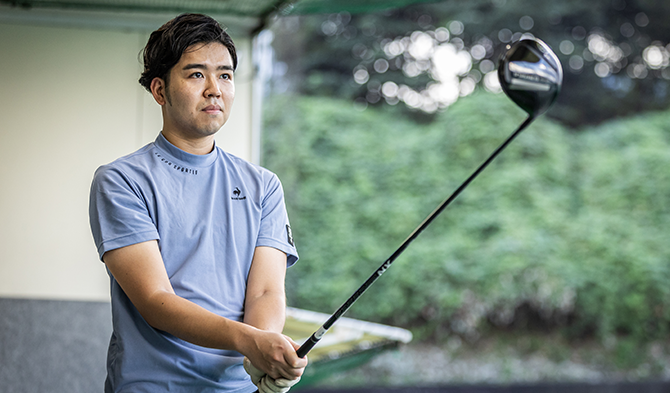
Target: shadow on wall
x=53, y=346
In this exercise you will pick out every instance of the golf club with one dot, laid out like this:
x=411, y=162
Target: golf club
x=530, y=74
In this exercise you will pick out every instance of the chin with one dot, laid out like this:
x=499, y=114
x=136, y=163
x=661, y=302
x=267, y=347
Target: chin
x=210, y=130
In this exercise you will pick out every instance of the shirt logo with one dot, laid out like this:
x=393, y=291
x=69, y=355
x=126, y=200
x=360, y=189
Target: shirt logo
x=236, y=195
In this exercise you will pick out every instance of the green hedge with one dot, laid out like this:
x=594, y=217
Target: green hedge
x=563, y=230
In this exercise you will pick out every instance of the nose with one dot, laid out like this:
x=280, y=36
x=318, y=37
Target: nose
x=212, y=89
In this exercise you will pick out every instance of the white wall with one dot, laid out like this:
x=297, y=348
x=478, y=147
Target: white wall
x=69, y=102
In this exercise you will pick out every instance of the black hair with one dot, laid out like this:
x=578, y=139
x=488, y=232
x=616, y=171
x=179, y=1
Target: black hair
x=167, y=44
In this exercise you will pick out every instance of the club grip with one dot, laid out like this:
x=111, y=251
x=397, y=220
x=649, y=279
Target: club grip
x=307, y=346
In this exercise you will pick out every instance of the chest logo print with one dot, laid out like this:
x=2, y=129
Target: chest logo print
x=236, y=195
x=176, y=167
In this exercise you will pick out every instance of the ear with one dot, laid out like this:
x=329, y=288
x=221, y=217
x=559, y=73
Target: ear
x=158, y=91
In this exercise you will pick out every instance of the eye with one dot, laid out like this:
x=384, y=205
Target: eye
x=226, y=76
x=196, y=75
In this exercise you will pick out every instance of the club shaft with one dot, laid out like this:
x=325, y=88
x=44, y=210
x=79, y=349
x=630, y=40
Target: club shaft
x=316, y=336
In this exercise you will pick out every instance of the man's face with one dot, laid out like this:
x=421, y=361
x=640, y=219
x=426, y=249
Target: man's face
x=198, y=98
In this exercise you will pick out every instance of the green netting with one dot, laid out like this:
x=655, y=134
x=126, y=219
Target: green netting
x=351, y=6
x=249, y=8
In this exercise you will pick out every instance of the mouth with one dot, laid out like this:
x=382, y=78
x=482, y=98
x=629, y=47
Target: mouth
x=212, y=109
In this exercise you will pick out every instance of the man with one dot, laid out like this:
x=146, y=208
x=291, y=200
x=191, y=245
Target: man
x=196, y=241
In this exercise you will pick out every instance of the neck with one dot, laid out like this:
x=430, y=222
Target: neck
x=199, y=146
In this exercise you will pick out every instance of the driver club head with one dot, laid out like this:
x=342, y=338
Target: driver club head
x=530, y=75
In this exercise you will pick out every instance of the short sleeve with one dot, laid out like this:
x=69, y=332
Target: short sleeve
x=275, y=229
x=118, y=212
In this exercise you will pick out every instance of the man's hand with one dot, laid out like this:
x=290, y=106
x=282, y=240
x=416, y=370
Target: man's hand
x=274, y=354
x=264, y=383
x=277, y=382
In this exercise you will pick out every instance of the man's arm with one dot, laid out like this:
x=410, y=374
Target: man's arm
x=265, y=301
x=140, y=272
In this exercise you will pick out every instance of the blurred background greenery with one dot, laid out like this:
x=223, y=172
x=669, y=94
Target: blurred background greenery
x=371, y=120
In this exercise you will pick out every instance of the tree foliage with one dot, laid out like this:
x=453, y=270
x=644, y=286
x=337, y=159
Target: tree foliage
x=614, y=53
x=564, y=230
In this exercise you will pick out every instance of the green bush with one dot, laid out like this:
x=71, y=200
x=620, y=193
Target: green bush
x=563, y=230
x=620, y=229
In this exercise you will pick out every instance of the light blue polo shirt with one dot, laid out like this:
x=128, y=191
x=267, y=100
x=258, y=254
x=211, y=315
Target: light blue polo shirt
x=208, y=213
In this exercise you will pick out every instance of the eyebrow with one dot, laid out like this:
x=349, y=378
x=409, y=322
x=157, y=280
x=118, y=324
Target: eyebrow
x=202, y=66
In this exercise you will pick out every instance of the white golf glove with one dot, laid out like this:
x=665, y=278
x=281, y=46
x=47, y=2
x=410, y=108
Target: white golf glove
x=264, y=383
